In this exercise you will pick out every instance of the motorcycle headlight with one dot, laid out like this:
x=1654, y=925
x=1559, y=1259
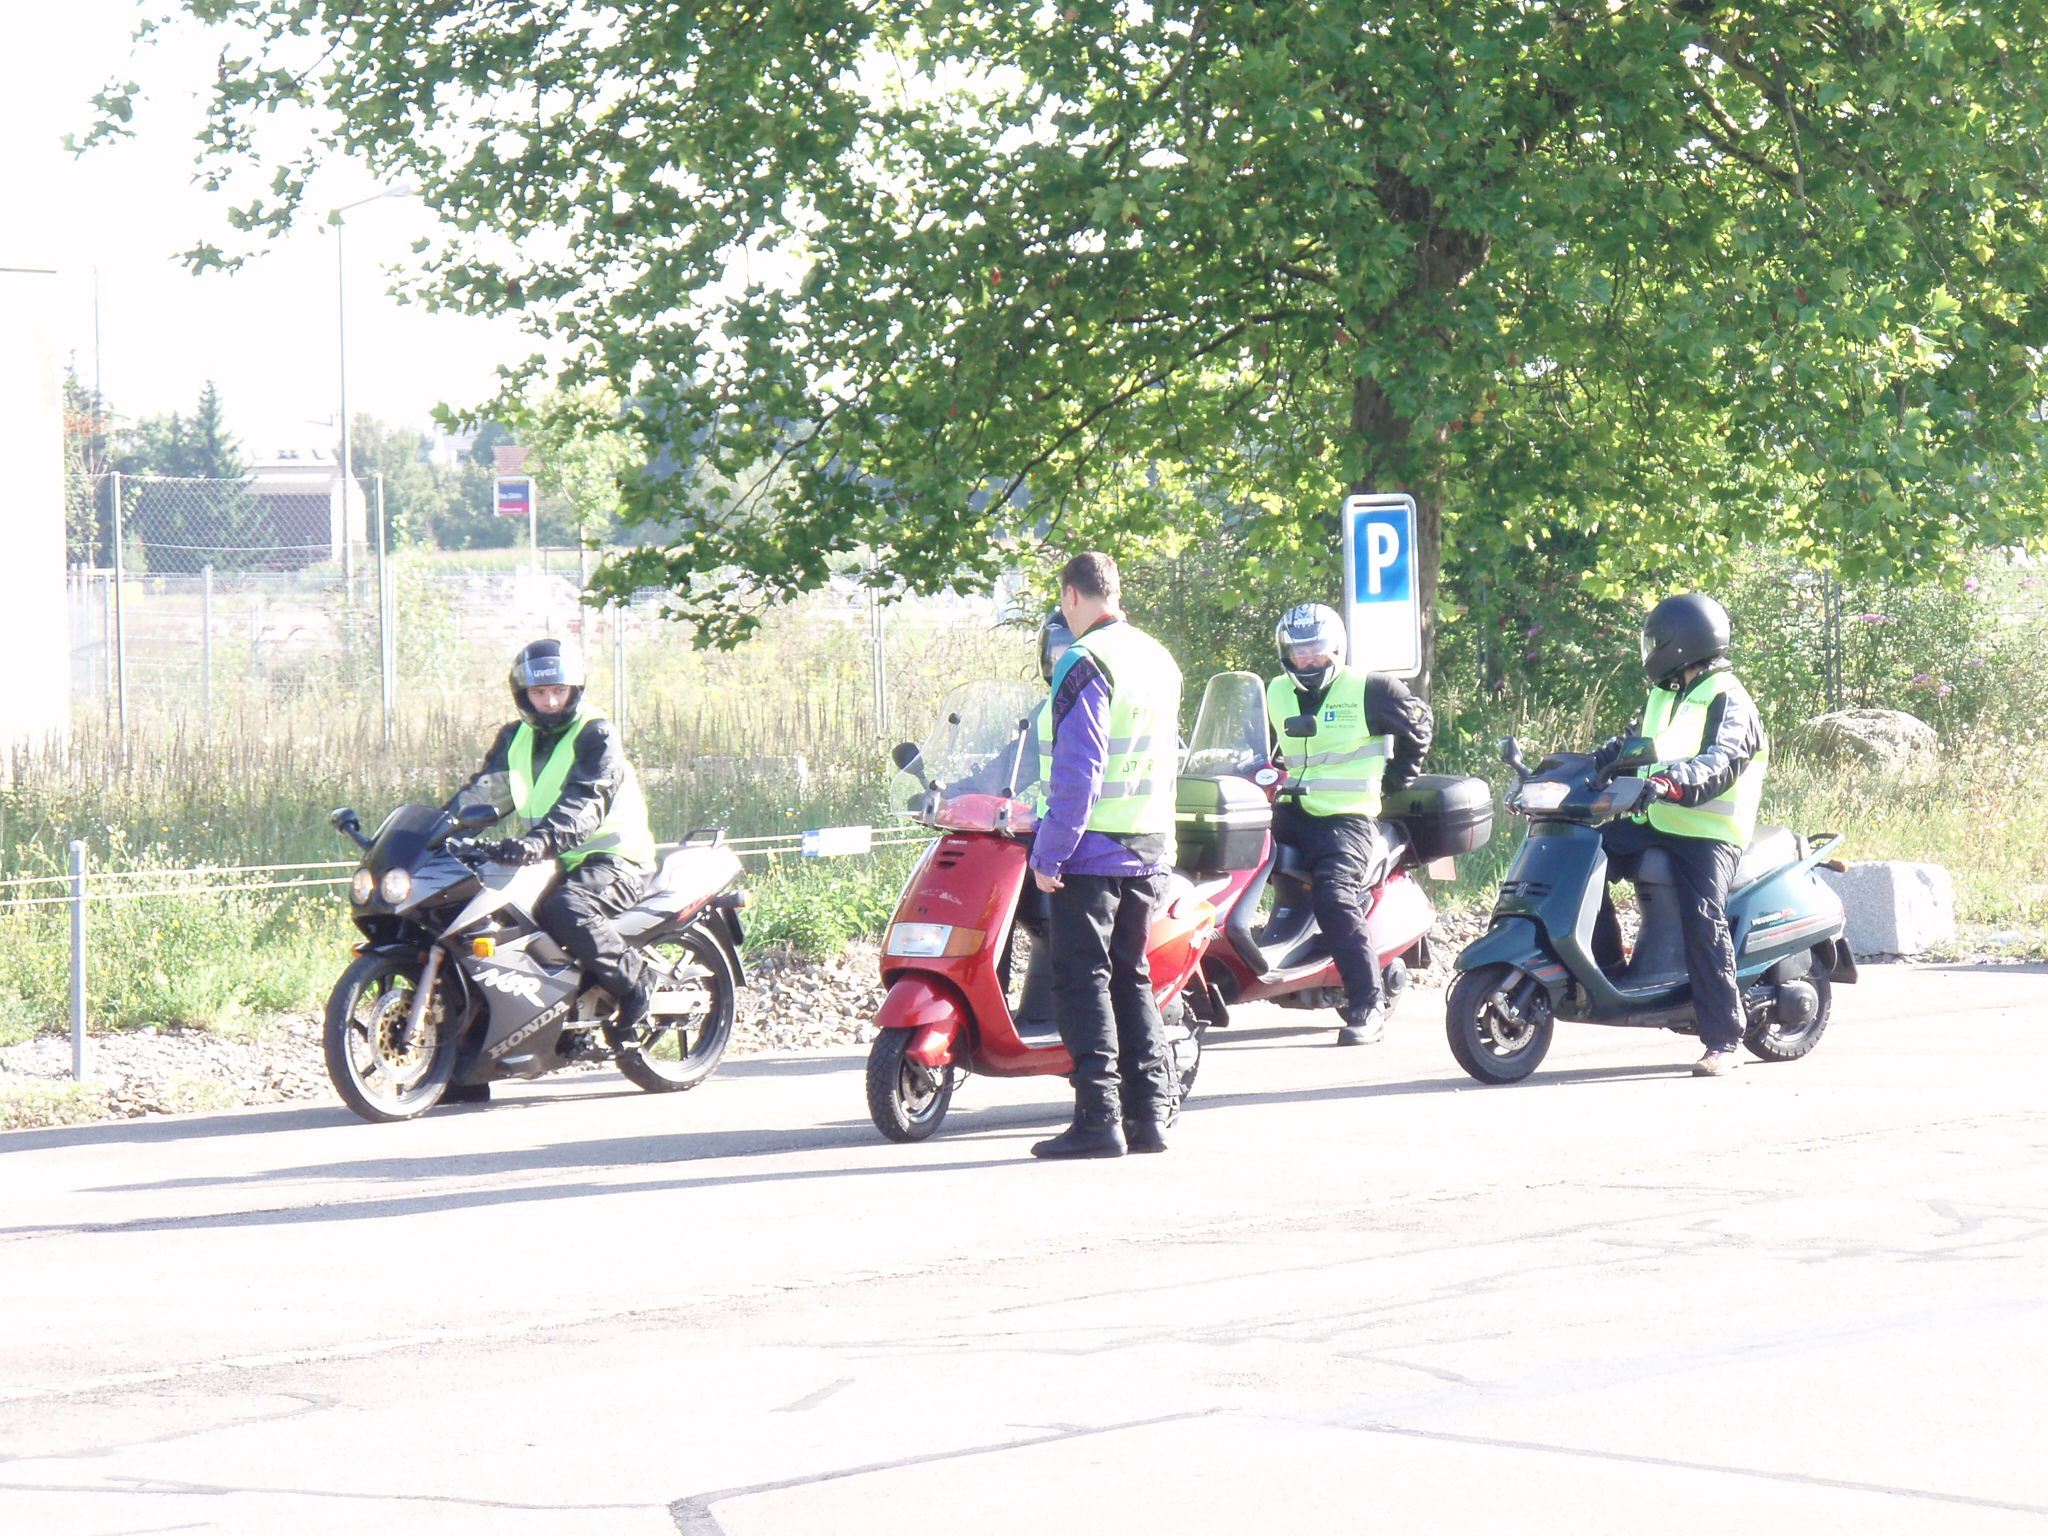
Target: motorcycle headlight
x=1544, y=797
x=362, y=888
x=925, y=941
x=395, y=886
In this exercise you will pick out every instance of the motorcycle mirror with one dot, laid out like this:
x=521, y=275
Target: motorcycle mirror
x=476, y=816
x=1511, y=754
x=1300, y=725
x=1637, y=752
x=342, y=818
x=903, y=754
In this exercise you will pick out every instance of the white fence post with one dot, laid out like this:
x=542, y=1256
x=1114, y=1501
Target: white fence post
x=77, y=959
x=120, y=615
x=206, y=640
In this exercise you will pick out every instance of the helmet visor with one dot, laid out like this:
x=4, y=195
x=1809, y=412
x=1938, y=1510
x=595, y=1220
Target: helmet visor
x=1308, y=656
x=558, y=670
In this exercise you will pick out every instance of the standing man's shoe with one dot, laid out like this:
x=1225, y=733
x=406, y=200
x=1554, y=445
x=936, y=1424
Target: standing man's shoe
x=1088, y=1136
x=1716, y=1063
x=1145, y=1134
x=1363, y=1026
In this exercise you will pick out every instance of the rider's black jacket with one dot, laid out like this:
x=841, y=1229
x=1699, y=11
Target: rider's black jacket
x=1734, y=736
x=1390, y=710
x=594, y=778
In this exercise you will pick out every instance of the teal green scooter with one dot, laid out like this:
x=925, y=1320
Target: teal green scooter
x=1534, y=964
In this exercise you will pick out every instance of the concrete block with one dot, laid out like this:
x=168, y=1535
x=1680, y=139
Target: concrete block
x=1895, y=908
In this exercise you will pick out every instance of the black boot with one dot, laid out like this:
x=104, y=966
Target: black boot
x=1145, y=1133
x=1096, y=1132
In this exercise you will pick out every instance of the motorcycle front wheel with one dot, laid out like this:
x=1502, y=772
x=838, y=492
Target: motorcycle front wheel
x=1493, y=1042
x=696, y=997
x=379, y=1078
x=906, y=1099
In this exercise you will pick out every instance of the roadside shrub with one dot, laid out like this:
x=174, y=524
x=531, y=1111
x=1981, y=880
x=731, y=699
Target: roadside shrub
x=812, y=907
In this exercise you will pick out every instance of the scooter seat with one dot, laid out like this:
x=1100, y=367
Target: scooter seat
x=1771, y=849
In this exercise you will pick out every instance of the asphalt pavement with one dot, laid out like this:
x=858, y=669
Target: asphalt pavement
x=1361, y=1293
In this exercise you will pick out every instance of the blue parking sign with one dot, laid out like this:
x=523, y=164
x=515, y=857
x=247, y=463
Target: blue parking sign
x=1381, y=613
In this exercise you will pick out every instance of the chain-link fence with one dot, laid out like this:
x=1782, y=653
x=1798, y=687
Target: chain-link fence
x=189, y=598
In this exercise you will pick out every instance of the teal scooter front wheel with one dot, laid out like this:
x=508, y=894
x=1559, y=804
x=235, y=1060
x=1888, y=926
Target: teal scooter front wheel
x=1494, y=1040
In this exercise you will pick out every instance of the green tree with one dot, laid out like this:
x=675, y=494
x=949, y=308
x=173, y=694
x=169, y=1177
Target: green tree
x=418, y=493
x=86, y=461
x=187, y=503
x=581, y=460
x=1673, y=276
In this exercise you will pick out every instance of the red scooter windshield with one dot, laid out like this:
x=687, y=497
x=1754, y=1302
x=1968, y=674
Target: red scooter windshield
x=977, y=769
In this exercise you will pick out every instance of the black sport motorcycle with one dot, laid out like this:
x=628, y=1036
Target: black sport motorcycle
x=455, y=986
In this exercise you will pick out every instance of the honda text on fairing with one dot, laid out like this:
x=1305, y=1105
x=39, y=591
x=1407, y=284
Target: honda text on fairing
x=455, y=986
x=1534, y=964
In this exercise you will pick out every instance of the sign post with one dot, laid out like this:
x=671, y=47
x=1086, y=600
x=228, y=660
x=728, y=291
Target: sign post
x=1382, y=609
x=515, y=498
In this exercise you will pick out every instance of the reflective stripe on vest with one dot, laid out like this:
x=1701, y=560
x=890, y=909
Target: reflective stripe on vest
x=1678, y=724
x=624, y=832
x=1141, y=750
x=1338, y=771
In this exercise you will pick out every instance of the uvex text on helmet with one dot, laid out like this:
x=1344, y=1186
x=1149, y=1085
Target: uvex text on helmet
x=546, y=664
x=1053, y=639
x=1681, y=632
x=1310, y=638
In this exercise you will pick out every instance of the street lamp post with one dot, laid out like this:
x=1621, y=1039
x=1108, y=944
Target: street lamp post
x=348, y=566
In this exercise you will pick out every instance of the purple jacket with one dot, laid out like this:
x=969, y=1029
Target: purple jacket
x=1080, y=725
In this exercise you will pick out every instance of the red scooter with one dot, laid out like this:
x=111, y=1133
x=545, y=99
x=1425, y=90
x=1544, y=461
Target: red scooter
x=964, y=959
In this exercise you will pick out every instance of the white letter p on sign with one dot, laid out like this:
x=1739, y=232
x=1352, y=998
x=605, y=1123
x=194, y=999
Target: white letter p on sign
x=1382, y=549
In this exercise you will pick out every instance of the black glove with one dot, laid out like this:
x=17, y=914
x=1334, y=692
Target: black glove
x=510, y=850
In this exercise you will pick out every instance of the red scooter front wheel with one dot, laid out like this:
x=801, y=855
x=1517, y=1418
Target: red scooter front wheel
x=906, y=1099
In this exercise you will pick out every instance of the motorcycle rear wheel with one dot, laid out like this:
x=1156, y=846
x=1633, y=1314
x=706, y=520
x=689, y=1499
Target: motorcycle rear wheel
x=672, y=1051
x=365, y=1014
x=1490, y=1041
x=907, y=1100
x=1770, y=1040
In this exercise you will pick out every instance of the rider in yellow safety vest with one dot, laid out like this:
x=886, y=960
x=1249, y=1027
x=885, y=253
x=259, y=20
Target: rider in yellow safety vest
x=1368, y=731
x=1698, y=803
x=560, y=772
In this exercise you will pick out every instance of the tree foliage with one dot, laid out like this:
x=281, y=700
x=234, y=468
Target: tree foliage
x=1661, y=279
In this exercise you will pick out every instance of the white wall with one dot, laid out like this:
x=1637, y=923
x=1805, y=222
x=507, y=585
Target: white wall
x=33, y=621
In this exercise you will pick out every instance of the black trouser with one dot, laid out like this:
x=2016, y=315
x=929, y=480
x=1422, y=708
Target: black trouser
x=577, y=914
x=1702, y=867
x=1100, y=928
x=1346, y=856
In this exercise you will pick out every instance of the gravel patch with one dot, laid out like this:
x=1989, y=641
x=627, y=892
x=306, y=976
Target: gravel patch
x=788, y=1004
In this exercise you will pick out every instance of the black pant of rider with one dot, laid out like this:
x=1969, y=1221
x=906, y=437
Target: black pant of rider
x=1347, y=856
x=1702, y=868
x=577, y=914
x=1101, y=926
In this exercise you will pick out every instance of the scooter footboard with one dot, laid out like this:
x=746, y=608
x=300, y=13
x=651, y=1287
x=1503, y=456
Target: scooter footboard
x=935, y=1013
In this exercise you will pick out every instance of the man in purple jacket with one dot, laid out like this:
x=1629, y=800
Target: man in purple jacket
x=1102, y=851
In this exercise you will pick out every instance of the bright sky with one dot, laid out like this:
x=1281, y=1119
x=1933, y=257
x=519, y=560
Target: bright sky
x=265, y=335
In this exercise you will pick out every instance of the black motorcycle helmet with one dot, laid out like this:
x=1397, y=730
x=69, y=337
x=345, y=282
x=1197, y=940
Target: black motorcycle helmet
x=545, y=664
x=1681, y=632
x=1053, y=639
